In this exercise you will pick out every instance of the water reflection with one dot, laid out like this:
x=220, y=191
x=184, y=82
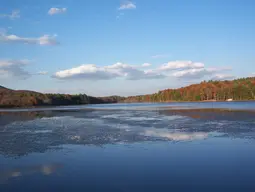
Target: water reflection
x=9, y=117
x=24, y=133
x=47, y=169
x=213, y=114
x=176, y=136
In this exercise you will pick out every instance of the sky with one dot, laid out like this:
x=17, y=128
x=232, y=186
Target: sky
x=115, y=47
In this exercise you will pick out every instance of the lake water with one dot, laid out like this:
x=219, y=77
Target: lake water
x=129, y=147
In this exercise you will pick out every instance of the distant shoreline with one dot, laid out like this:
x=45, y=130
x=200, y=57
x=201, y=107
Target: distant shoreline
x=204, y=101
x=90, y=107
x=55, y=106
x=175, y=109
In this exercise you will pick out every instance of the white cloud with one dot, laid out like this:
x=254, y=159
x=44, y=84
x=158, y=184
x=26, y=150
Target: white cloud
x=198, y=73
x=42, y=73
x=127, y=5
x=135, y=74
x=55, y=10
x=159, y=56
x=14, y=68
x=179, y=69
x=223, y=77
x=14, y=15
x=191, y=70
x=146, y=65
x=117, y=70
x=192, y=73
x=186, y=70
x=173, y=65
x=43, y=40
x=87, y=71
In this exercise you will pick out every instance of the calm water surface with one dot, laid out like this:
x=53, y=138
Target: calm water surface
x=135, y=147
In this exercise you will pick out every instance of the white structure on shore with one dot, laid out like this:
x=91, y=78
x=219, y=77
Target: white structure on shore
x=229, y=100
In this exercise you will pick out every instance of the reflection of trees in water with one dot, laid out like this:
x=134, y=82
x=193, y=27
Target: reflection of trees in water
x=47, y=169
x=6, y=118
x=26, y=133
x=212, y=114
x=9, y=117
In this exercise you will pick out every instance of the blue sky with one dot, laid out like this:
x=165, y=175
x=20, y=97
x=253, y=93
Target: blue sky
x=119, y=47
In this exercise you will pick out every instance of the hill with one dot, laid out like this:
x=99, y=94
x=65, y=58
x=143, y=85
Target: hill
x=239, y=89
x=1, y=87
x=22, y=98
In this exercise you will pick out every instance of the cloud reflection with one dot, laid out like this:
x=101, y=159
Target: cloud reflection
x=47, y=169
x=176, y=136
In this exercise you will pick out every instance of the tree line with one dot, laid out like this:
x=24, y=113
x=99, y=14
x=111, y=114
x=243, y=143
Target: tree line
x=239, y=89
x=12, y=98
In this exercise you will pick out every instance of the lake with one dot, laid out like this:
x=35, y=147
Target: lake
x=207, y=146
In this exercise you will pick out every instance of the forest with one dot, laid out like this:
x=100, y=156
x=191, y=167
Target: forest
x=238, y=89
x=21, y=98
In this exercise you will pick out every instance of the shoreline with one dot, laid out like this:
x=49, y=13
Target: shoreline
x=205, y=101
x=215, y=110
x=124, y=107
x=76, y=105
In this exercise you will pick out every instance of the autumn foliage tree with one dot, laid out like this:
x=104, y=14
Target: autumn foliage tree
x=12, y=98
x=239, y=89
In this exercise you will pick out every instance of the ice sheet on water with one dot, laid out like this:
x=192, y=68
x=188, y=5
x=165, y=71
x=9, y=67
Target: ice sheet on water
x=112, y=127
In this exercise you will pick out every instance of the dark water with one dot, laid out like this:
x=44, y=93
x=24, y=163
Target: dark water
x=124, y=148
